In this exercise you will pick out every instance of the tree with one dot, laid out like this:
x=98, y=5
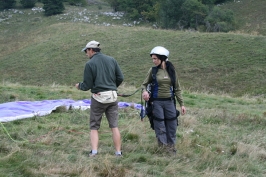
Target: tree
x=171, y=13
x=194, y=13
x=153, y=13
x=28, y=3
x=7, y=4
x=177, y=14
x=208, y=2
x=77, y=2
x=114, y=4
x=53, y=7
x=220, y=20
x=221, y=1
x=134, y=9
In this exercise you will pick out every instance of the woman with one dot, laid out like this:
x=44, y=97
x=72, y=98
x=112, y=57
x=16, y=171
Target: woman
x=165, y=88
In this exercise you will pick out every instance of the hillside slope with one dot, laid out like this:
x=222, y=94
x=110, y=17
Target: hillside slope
x=250, y=15
x=36, y=50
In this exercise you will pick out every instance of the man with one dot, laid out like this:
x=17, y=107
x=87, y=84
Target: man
x=102, y=75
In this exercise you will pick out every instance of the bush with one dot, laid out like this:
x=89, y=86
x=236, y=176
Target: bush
x=7, y=4
x=28, y=3
x=53, y=7
x=133, y=8
x=77, y=2
x=220, y=20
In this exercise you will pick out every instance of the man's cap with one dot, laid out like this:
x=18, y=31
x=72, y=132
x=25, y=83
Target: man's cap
x=91, y=44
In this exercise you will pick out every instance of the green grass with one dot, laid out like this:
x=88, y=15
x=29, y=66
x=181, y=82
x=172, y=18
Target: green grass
x=38, y=50
x=219, y=136
x=223, y=81
x=250, y=15
x=214, y=62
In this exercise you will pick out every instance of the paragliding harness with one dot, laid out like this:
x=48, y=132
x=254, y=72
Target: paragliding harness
x=148, y=107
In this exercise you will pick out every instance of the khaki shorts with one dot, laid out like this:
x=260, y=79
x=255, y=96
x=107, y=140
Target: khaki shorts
x=96, y=112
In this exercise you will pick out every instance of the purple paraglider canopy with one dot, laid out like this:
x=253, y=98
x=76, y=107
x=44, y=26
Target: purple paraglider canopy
x=25, y=109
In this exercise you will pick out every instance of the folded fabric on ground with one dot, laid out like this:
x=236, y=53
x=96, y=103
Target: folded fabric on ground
x=25, y=109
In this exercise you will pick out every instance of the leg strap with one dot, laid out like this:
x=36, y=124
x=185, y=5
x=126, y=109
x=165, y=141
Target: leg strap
x=155, y=118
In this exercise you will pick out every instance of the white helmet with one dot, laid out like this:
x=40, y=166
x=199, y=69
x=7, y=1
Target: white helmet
x=159, y=50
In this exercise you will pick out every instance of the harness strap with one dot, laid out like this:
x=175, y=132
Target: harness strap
x=163, y=99
x=174, y=118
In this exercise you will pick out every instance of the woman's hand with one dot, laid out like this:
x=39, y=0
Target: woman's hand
x=145, y=95
x=183, y=110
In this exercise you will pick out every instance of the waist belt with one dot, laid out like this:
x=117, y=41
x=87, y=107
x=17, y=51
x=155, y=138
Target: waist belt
x=162, y=99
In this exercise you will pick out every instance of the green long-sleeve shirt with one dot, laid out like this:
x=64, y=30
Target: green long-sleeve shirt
x=164, y=84
x=101, y=73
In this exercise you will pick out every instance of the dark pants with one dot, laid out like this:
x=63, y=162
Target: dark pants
x=165, y=121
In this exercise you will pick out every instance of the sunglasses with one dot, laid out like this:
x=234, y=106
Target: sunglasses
x=86, y=50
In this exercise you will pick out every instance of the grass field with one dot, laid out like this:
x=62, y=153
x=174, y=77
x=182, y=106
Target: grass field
x=219, y=136
x=222, y=75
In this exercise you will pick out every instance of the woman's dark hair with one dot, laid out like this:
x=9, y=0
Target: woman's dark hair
x=169, y=67
x=171, y=71
x=161, y=57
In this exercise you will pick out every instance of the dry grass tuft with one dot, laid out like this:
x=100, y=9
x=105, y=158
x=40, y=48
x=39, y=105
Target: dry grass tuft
x=252, y=151
x=189, y=121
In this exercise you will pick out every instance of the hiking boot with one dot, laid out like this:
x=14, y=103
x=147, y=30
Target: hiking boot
x=160, y=144
x=92, y=154
x=171, y=150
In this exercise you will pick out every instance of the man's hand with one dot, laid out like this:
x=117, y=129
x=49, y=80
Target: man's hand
x=77, y=86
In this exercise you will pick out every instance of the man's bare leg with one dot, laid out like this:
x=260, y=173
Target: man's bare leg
x=116, y=139
x=94, y=139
